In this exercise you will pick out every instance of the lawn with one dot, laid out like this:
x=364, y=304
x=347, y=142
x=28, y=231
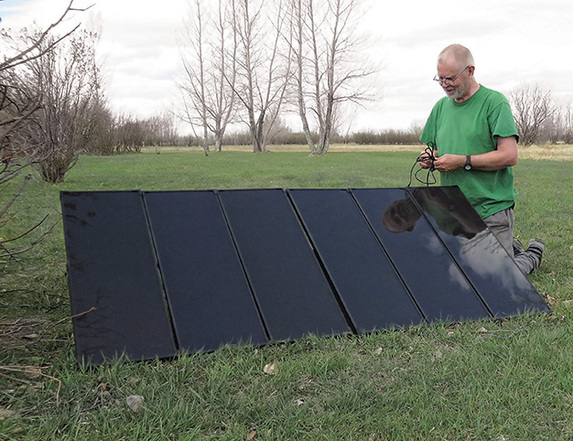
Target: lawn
x=488, y=380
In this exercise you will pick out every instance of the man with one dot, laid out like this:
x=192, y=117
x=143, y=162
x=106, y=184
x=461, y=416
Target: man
x=475, y=139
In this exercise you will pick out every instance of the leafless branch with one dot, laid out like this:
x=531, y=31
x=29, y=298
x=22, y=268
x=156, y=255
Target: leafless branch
x=24, y=56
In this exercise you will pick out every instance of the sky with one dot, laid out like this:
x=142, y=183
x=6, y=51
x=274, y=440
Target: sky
x=514, y=43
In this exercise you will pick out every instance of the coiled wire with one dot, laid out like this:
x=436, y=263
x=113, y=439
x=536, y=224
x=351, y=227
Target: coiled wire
x=429, y=178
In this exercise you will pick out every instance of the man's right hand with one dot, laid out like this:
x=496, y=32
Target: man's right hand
x=425, y=159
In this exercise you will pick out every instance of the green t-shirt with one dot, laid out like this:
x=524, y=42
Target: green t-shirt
x=471, y=128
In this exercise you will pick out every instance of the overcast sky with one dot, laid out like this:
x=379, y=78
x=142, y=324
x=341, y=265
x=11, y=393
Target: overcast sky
x=513, y=42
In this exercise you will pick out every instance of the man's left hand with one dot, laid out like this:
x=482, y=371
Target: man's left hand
x=448, y=162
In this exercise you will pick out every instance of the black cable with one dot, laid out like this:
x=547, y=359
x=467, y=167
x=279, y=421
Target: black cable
x=430, y=178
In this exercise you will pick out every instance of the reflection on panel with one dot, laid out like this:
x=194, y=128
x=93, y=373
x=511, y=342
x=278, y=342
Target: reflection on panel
x=478, y=252
x=291, y=289
x=366, y=281
x=436, y=282
x=115, y=289
x=211, y=303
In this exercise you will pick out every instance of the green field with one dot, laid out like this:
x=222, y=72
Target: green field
x=488, y=380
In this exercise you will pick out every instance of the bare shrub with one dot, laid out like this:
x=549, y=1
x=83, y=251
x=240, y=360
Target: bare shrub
x=532, y=109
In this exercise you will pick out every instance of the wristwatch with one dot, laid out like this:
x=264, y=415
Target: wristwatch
x=468, y=165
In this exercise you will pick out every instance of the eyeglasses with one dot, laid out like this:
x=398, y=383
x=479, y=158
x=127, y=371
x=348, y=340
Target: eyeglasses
x=449, y=80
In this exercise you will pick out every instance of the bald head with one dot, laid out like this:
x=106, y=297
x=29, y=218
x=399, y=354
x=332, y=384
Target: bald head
x=458, y=54
x=456, y=72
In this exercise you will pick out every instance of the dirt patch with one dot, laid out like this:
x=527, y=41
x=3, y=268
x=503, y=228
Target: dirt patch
x=21, y=332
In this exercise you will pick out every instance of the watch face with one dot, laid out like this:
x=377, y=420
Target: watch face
x=468, y=165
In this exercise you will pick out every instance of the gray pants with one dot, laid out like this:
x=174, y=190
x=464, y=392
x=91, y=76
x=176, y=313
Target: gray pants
x=501, y=224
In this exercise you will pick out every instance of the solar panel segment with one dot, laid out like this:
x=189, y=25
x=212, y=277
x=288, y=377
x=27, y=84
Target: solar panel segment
x=366, y=281
x=292, y=291
x=209, y=296
x=438, y=285
x=117, y=299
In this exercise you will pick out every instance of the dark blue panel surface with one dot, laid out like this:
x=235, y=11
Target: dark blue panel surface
x=253, y=265
x=293, y=293
x=210, y=300
x=112, y=268
x=438, y=285
x=366, y=281
x=478, y=252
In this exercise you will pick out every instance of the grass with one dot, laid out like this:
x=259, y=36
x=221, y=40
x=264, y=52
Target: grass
x=487, y=380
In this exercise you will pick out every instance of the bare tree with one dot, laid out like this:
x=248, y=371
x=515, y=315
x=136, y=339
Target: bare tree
x=299, y=39
x=18, y=103
x=567, y=125
x=17, y=100
x=131, y=134
x=100, y=130
x=328, y=70
x=162, y=129
x=552, y=130
x=262, y=68
x=559, y=126
x=532, y=109
x=68, y=81
x=207, y=89
x=194, y=88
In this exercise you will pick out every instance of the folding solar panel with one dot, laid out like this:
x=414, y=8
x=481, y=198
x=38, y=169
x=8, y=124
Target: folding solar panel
x=116, y=295
x=209, y=296
x=153, y=274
